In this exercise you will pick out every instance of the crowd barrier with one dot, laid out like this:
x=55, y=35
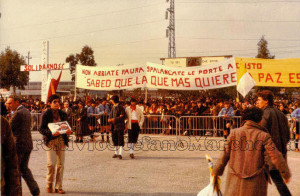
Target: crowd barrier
x=36, y=119
x=160, y=124
x=206, y=125
x=171, y=125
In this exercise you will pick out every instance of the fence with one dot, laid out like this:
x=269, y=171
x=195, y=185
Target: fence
x=172, y=125
x=160, y=124
x=206, y=125
x=294, y=124
x=36, y=119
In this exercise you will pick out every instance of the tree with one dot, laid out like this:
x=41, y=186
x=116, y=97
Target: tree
x=86, y=57
x=263, y=51
x=10, y=74
x=73, y=62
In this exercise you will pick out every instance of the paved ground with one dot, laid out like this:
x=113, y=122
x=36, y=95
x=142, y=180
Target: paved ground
x=159, y=169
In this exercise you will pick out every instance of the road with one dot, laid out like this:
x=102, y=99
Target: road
x=161, y=167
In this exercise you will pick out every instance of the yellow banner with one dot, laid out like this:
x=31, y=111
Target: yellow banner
x=272, y=72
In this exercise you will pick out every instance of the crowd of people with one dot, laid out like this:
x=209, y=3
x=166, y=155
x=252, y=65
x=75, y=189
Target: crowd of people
x=86, y=116
x=116, y=117
x=167, y=106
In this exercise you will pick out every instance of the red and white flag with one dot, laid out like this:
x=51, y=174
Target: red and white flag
x=52, y=85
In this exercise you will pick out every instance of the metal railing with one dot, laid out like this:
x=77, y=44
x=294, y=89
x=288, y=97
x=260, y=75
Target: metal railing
x=294, y=124
x=36, y=119
x=172, y=125
x=206, y=125
x=160, y=124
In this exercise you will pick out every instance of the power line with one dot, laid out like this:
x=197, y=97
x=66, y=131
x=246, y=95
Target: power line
x=247, y=49
x=82, y=17
x=198, y=52
x=76, y=34
x=182, y=50
x=237, y=2
x=232, y=39
x=205, y=20
x=109, y=45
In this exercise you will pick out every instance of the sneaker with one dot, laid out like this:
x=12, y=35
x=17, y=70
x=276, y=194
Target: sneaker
x=120, y=156
x=115, y=156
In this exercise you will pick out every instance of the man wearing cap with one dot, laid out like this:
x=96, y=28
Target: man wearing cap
x=134, y=124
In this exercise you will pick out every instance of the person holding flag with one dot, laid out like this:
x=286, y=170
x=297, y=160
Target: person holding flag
x=245, y=82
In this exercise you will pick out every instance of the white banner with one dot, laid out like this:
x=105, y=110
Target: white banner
x=110, y=77
x=218, y=75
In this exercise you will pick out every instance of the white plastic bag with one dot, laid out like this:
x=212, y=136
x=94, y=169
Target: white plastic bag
x=213, y=189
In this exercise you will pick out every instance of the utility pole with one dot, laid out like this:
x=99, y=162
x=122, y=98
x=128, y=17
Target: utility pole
x=171, y=29
x=28, y=57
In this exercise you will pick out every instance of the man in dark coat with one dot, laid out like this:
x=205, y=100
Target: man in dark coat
x=21, y=125
x=277, y=125
x=10, y=175
x=117, y=119
x=82, y=127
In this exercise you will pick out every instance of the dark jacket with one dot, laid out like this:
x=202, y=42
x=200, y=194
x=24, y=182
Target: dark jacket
x=82, y=128
x=119, y=114
x=47, y=117
x=21, y=127
x=69, y=115
x=277, y=125
x=245, y=152
x=10, y=175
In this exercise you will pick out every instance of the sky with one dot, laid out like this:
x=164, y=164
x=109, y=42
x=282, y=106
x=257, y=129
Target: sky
x=134, y=31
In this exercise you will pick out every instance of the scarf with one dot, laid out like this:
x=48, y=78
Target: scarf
x=133, y=108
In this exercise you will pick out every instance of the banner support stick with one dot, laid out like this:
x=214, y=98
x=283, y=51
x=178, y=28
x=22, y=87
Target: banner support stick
x=75, y=93
x=146, y=94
